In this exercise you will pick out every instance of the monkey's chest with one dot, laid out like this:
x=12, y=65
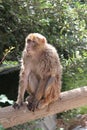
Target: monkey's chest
x=35, y=69
x=40, y=67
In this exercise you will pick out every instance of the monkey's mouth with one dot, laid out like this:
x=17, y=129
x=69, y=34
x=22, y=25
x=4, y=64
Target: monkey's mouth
x=29, y=50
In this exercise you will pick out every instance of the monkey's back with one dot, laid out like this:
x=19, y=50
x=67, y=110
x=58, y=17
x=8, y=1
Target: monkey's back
x=49, y=62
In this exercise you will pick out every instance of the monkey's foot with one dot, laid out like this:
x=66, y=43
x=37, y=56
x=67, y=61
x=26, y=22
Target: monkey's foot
x=17, y=105
x=32, y=106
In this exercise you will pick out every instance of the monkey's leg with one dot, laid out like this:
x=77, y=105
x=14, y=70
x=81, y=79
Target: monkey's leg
x=37, y=95
x=33, y=82
x=52, y=91
x=32, y=88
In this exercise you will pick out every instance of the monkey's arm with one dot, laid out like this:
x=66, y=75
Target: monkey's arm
x=23, y=82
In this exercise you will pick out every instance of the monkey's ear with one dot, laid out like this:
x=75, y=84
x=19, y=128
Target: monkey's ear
x=43, y=40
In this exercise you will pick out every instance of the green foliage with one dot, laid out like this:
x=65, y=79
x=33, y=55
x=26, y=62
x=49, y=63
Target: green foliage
x=75, y=71
x=8, y=65
x=63, y=23
x=60, y=129
x=70, y=114
x=38, y=129
x=83, y=110
x=5, y=53
x=1, y=127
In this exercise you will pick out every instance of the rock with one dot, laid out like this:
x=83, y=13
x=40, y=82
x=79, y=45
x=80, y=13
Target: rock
x=80, y=128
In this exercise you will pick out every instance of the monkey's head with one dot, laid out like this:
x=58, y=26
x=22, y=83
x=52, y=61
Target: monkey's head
x=35, y=42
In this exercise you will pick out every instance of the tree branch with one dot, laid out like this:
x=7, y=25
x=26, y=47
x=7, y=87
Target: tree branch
x=68, y=100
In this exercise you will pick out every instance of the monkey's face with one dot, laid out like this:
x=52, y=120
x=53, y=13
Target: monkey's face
x=34, y=42
x=30, y=45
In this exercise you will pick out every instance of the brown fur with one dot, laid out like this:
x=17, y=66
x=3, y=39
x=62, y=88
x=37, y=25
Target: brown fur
x=40, y=73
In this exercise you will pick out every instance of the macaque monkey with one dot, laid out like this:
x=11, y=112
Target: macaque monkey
x=40, y=73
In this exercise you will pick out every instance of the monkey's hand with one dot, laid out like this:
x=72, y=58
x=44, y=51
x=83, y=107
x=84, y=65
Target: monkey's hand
x=17, y=104
x=32, y=105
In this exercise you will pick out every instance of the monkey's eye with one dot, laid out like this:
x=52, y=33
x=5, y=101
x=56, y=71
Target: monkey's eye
x=28, y=40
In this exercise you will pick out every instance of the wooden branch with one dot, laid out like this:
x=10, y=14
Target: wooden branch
x=9, y=69
x=70, y=99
